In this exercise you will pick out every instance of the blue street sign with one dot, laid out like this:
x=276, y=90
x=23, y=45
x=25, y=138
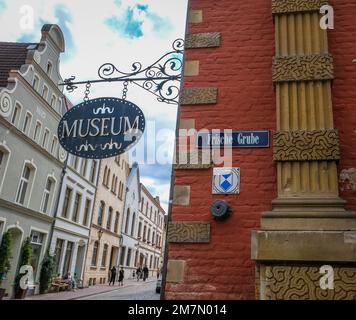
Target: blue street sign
x=101, y=128
x=234, y=139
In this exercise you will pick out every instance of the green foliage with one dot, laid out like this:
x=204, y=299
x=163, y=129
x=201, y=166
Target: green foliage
x=47, y=272
x=25, y=259
x=5, y=253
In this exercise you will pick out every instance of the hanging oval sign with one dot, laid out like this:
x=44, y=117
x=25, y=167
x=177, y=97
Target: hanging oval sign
x=101, y=128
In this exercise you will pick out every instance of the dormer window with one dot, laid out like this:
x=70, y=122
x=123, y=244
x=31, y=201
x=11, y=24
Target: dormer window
x=49, y=68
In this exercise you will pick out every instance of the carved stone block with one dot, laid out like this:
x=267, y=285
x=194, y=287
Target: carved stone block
x=189, y=232
x=196, y=96
x=181, y=195
x=202, y=40
x=293, y=6
x=306, y=282
x=303, y=68
x=306, y=145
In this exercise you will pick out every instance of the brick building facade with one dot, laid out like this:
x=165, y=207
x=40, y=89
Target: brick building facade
x=289, y=219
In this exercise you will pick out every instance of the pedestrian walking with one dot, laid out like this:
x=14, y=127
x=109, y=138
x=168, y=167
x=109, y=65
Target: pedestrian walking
x=145, y=273
x=112, y=276
x=121, y=276
x=158, y=273
x=138, y=273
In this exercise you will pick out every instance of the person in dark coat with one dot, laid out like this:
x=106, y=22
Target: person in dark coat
x=112, y=276
x=121, y=276
x=145, y=273
x=138, y=273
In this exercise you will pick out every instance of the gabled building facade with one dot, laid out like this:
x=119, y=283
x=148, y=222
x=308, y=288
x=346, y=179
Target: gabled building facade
x=31, y=160
x=105, y=234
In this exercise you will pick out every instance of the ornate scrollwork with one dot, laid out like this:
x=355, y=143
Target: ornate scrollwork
x=5, y=104
x=162, y=78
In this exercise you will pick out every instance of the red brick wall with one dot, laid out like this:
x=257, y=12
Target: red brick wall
x=241, y=69
x=342, y=42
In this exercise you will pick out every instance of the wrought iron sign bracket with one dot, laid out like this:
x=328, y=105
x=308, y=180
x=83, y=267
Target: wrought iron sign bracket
x=162, y=78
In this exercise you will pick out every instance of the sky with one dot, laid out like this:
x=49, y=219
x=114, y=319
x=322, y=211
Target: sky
x=119, y=32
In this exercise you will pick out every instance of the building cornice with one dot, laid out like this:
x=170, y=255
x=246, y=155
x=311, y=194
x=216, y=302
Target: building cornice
x=25, y=211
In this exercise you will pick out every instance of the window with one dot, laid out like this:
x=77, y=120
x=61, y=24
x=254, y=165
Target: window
x=76, y=209
x=144, y=234
x=47, y=196
x=153, y=238
x=58, y=253
x=116, y=225
x=83, y=168
x=53, y=101
x=37, y=131
x=146, y=208
x=101, y=213
x=108, y=223
x=67, y=199
x=45, y=138
x=16, y=114
x=93, y=171
x=27, y=123
x=49, y=68
x=76, y=163
x=45, y=92
x=24, y=185
x=105, y=174
x=4, y=155
x=94, y=257
x=151, y=213
x=117, y=160
x=151, y=261
x=36, y=81
x=59, y=106
x=54, y=145
x=128, y=258
x=36, y=243
x=142, y=204
x=148, y=235
x=67, y=258
x=86, y=212
x=105, y=254
x=139, y=230
x=127, y=221
x=133, y=223
x=122, y=255
x=108, y=178
x=113, y=183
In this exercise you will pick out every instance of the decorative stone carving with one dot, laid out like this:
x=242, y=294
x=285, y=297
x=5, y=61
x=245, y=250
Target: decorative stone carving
x=303, y=283
x=303, y=68
x=306, y=145
x=62, y=154
x=5, y=105
x=189, y=232
x=291, y=6
x=192, y=96
x=202, y=40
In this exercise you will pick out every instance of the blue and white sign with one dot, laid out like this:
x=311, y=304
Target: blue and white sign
x=226, y=181
x=101, y=128
x=234, y=139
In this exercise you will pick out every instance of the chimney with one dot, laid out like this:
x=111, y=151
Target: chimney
x=157, y=199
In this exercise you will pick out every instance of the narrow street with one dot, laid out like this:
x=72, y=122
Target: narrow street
x=136, y=291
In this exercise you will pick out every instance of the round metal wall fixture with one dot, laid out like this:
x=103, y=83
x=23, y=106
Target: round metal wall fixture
x=220, y=209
